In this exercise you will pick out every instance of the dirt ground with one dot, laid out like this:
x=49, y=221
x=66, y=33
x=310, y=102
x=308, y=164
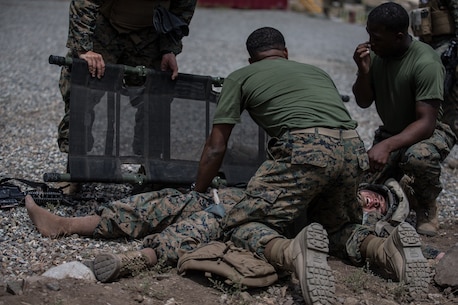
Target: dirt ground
x=354, y=285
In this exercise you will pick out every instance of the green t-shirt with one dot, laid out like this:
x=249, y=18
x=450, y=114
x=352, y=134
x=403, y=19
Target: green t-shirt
x=281, y=94
x=399, y=83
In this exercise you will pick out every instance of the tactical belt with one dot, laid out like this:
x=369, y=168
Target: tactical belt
x=333, y=133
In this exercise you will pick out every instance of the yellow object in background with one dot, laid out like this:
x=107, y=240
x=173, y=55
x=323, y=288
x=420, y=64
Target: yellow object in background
x=313, y=6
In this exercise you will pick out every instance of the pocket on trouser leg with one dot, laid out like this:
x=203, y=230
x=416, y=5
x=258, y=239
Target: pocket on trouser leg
x=255, y=207
x=363, y=161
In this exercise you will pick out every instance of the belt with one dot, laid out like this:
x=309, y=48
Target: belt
x=333, y=133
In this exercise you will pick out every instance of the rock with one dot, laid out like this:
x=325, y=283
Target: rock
x=446, y=269
x=452, y=163
x=246, y=297
x=171, y=301
x=74, y=270
x=15, y=287
x=3, y=289
x=54, y=286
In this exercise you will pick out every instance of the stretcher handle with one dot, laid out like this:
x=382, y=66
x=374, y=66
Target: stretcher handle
x=138, y=70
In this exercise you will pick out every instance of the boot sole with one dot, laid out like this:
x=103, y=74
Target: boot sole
x=316, y=278
x=106, y=267
x=416, y=274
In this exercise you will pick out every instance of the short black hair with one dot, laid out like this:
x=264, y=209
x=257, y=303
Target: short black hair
x=263, y=39
x=390, y=15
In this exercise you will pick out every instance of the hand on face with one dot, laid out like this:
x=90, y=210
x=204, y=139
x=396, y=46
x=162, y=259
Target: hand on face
x=362, y=57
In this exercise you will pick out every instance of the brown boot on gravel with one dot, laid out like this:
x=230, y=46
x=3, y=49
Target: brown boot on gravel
x=306, y=255
x=401, y=258
x=427, y=222
x=108, y=267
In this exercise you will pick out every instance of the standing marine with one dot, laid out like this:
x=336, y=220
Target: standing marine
x=435, y=22
x=123, y=32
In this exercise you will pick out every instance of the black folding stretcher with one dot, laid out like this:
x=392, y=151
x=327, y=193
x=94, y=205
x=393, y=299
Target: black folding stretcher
x=160, y=125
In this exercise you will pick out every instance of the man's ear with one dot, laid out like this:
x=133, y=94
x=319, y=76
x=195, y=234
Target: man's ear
x=400, y=36
x=285, y=51
x=250, y=60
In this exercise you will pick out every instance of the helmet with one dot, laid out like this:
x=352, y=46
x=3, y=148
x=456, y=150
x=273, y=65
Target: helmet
x=403, y=208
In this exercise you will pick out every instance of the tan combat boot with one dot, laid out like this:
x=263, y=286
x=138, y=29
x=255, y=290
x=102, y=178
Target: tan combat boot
x=399, y=256
x=306, y=256
x=427, y=222
x=108, y=267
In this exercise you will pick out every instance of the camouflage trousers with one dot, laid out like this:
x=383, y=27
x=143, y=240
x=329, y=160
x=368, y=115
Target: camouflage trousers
x=306, y=173
x=169, y=221
x=307, y=178
x=421, y=162
x=138, y=49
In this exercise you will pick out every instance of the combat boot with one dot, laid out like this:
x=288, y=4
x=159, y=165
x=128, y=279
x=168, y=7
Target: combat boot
x=427, y=222
x=400, y=258
x=306, y=256
x=108, y=267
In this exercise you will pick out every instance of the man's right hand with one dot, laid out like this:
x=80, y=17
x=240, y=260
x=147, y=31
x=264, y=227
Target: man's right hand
x=378, y=156
x=362, y=58
x=95, y=63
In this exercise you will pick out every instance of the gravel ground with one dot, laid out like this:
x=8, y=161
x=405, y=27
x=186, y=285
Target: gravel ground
x=31, y=107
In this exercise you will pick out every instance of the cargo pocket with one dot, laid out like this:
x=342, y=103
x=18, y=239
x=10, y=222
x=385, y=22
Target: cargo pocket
x=444, y=139
x=266, y=193
x=363, y=160
x=257, y=206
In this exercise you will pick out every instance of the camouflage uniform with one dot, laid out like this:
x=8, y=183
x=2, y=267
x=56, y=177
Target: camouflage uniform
x=398, y=210
x=91, y=29
x=440, y=42
x=169, y=220
x=421, y=160
x=302, y=175
x=307, y=178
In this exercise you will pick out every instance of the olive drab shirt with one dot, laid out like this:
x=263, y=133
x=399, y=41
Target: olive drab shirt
x=419, y=76
x=125, y=16
x=280, y=95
